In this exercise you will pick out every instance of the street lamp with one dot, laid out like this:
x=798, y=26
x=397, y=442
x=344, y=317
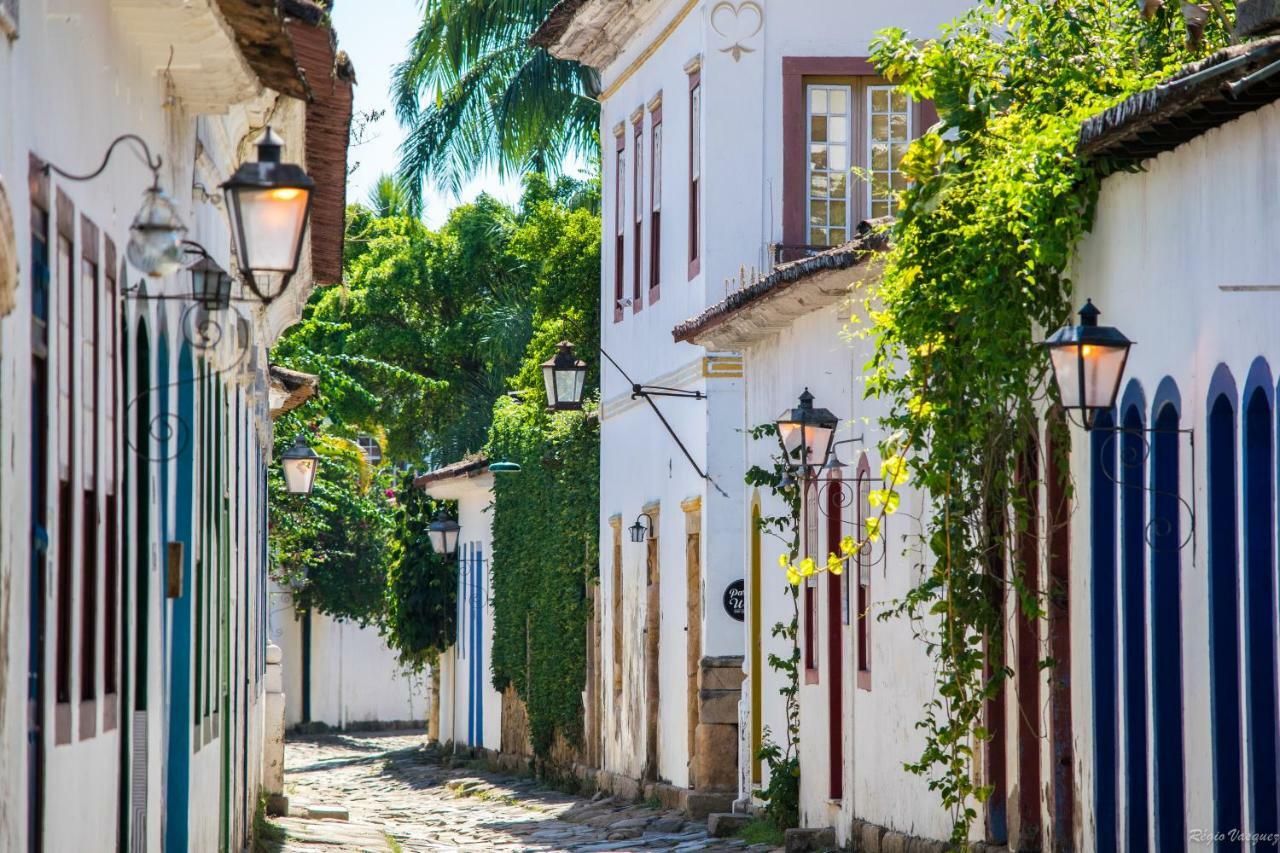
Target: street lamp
x=1088, y=362
x=806, y=433
x=299, y=464
x=564, y=375
x=268, y=203
x=443, y=533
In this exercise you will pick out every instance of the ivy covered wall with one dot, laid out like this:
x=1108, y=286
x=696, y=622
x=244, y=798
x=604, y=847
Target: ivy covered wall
x=544, y=555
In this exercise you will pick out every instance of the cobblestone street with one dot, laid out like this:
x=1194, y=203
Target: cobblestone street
x=399, y=795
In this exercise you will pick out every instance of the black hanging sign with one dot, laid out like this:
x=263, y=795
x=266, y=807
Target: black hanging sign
x=735, y=600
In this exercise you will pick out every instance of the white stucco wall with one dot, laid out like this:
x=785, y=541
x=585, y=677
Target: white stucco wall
x=1165, y=242
x=355, y=677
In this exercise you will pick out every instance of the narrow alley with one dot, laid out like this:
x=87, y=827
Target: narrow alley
x=398, y=794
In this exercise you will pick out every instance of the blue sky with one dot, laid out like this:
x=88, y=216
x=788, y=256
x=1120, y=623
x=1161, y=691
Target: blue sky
x=375, y=34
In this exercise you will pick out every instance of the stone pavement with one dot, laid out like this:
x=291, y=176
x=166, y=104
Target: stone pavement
x=400, y=795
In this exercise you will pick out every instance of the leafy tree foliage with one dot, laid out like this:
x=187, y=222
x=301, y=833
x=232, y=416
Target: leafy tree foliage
x=474, y=95
x=422, y=586
x=331, y=546
x=428, y=327
x=427, y=332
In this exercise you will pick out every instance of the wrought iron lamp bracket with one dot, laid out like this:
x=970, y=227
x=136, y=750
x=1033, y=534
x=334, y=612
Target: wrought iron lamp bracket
x=152, y=162
x=1156, y=527
x=647, y=393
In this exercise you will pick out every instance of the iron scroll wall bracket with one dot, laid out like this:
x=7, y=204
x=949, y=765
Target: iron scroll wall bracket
x=1130, y=457
x=647, y=393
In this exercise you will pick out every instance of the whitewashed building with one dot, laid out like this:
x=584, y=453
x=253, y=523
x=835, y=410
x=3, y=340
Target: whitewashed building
x=1173, y=572
x=729, y=131
x=135, y=435
x=465, y=709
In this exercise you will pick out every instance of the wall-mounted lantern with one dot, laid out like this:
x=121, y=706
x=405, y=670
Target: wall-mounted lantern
x=642, y=530
x=443, y=533
x=565, y=376
x=299, y=464
x=155, y=237
x=210, y=284
x=806, y=434
x=268, y=203
x=1088, y=363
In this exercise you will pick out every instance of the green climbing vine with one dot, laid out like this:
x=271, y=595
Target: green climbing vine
x=979, y=267
x=421, y=595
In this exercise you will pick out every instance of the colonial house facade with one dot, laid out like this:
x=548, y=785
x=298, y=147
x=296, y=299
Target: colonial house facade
x=135, y=423
x=733, y=137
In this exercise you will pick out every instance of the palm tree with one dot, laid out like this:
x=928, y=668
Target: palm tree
x=388, y=197
x=474, y=94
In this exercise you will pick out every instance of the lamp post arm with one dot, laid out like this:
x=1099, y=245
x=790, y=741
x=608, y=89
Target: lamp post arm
x=638, y=390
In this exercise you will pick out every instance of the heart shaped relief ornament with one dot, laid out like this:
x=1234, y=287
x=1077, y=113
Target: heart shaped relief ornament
x=737, y=23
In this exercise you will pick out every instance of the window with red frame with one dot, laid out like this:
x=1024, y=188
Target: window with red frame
x=863, y=618
x=619, y=222
x=89, y=366
x=695, y=172
x=637, y=206
x=65, y=372
x=846, y=132
x=655, y=202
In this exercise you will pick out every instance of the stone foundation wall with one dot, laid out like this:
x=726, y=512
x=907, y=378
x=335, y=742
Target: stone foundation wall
x=715, y=756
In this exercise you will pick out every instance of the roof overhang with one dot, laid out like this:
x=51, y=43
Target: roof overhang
x=792, y=290
x=1200, y=97
x=594, y=32
x=328, y=134
x=453, y=481
x=289, y=389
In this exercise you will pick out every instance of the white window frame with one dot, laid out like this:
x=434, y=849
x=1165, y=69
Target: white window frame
x=868, y=123
x=848, y=143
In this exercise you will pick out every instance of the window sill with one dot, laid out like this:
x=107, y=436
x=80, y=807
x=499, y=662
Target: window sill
x=810, y=676
x=864, y=680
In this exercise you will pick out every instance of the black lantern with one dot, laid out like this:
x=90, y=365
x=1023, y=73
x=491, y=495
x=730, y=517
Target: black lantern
x=1088, y=362
x=210, y=284
x=300, y=463
x=268, y=203
x=642, y=529
x=564, y=375
x=443, y=533
x=806, y=434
